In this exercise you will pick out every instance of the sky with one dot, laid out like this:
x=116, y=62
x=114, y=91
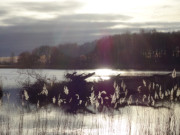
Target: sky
x=27, y=24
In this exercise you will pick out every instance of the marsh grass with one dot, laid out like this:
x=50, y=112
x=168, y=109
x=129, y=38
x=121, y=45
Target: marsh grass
x=76, y=93
x=130, y=120
x=51, y=119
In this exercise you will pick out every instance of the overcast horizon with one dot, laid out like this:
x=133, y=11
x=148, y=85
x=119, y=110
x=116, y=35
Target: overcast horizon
x=27, y=24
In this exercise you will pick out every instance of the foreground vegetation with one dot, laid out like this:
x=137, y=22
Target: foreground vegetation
x=134, y=120
x=77, y=94
x=119, y=103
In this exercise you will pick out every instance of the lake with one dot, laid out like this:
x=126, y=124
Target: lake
x=11, y=78
x=129, y=120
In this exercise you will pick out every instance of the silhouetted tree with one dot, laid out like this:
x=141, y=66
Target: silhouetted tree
x=144, y=50
x=26, y=59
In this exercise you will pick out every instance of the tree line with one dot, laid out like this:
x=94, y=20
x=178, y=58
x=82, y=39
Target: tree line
x=144, y=50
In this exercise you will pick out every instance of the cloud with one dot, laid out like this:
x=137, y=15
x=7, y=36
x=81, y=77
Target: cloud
x=166, y=6
x=3, y=12
x=28, y=33
x=96, y=17
x=15, y=21
x=27, y=38
x=19, y=42
x=19, y=12
x=67, y=19
x=151, y=24
x=75, y=22
x=49, y=6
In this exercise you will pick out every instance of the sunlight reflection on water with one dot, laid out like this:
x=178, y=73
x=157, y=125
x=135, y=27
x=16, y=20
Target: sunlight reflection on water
x=14, y=77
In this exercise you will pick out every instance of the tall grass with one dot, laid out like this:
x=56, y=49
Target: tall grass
x=134, y=120
x=38, y=119
x=77, y=94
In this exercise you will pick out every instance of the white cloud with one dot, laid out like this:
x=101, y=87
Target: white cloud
x=39, y=10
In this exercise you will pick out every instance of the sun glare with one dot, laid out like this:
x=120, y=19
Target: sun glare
x=104, y=72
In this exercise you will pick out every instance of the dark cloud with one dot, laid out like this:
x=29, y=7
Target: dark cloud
x=67, y=19
x=76, y=22
x=54, y=26
x=96, y=17
x=163, y=25
x=22, y=41
x=26, y=33
x=26, y=36
x=19, y=21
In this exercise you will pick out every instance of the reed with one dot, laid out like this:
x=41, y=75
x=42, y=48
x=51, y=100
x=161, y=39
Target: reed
x=116, y=106
x=76, y=94
x=134, y=120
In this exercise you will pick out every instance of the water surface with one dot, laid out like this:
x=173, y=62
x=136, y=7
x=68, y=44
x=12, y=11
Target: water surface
x=12, y=78
x=130, y=120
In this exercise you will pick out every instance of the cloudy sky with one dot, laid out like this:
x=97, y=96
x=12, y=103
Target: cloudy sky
x=26, y=24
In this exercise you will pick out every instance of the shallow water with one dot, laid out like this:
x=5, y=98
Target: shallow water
x=130, y=120
x=12, y=78
x=133, y=120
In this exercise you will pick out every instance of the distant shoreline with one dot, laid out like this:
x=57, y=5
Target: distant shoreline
x=170, y=68
x=9, y=66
